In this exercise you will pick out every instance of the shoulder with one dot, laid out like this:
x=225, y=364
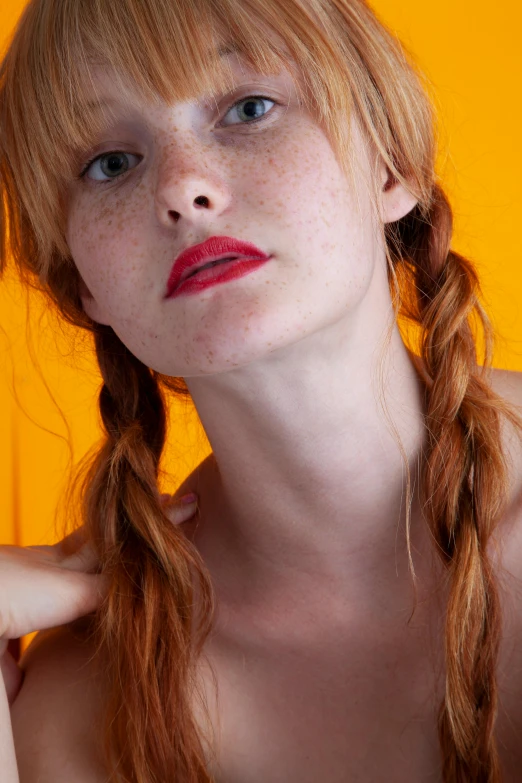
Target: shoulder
x=59, y=710
x=508, y=385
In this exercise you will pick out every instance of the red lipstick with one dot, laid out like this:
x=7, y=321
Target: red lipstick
x=229, y=258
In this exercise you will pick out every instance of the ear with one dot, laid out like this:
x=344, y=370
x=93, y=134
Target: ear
x=396, y=201
x=90, y=305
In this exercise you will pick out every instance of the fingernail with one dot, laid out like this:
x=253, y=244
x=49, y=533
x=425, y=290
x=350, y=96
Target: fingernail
x=190, y=498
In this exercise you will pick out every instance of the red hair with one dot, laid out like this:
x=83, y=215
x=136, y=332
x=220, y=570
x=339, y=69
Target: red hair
x=159, y=609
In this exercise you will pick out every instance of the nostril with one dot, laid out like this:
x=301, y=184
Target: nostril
x=201, y=201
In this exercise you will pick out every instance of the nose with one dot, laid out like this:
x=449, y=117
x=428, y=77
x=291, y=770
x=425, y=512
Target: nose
x=189, y=192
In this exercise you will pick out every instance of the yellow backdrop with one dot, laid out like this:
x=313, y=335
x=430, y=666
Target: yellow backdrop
x=472, y=55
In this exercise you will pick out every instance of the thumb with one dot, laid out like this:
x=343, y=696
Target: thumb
x=12, y=674
x=180, y=509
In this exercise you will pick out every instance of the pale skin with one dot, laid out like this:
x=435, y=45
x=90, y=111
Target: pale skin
x=302, y=501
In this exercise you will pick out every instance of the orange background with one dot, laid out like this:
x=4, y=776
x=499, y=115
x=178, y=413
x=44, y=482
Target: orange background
x=472, y=55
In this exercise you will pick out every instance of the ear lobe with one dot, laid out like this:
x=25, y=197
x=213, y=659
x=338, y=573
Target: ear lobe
x=397, y=201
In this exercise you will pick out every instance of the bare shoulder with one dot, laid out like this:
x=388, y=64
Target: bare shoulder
x=508, y=385
x=59, y=710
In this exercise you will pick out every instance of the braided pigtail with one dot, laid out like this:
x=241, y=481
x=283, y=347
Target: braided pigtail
x=147, y=627
x=464, y=484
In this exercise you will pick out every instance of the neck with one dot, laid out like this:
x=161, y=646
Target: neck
x=307, y=479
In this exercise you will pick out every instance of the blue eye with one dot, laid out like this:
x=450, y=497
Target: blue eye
x=253, y=110
x=110, y=164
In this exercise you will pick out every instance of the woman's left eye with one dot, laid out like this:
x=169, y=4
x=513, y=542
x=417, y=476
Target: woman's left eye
x=250, y=108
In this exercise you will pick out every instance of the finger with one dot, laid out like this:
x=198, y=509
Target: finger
x=63, y=549
x=13, y=676
x=84, y=559
x=83, y=556
x=56, y=552
x=72, y=542
x=180, y=510
x=85, y=595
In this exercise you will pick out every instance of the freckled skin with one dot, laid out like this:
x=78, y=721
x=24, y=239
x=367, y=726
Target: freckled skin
x=300, y=504
x=277, y=185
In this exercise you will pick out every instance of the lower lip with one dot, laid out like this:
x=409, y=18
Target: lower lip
x=222, y=273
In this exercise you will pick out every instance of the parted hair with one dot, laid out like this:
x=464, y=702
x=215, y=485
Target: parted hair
x=159, y=609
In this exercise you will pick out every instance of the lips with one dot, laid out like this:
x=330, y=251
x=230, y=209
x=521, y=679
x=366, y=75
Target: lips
x=213, y=249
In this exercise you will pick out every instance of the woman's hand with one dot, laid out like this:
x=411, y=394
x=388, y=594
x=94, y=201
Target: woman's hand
x=46, y=586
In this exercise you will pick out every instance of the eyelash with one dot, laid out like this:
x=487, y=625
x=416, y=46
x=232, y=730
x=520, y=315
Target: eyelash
x=116, y=152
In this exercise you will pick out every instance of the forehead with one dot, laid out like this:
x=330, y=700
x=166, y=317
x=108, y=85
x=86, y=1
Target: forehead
x=110, y=93
x=105, y=86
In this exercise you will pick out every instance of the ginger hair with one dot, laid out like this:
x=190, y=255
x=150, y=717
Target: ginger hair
x=150, y=628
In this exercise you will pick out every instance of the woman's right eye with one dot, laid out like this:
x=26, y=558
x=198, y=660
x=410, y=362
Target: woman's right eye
x=109, y=164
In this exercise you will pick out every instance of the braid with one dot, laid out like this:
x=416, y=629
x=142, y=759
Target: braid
x=464, y=479
x=146, y=626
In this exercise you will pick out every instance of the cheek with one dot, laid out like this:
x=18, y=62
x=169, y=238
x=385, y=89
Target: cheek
x=326, y=222
x=104, y=241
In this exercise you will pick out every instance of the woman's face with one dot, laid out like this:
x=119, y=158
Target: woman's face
x=274, y=182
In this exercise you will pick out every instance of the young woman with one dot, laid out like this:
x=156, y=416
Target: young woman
x=238, y=199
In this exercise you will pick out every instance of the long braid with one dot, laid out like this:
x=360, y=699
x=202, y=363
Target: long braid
x=344, y=51
x=150, y=567
x=464, y=476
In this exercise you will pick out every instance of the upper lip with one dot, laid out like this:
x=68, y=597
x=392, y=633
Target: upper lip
x=212, y=249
